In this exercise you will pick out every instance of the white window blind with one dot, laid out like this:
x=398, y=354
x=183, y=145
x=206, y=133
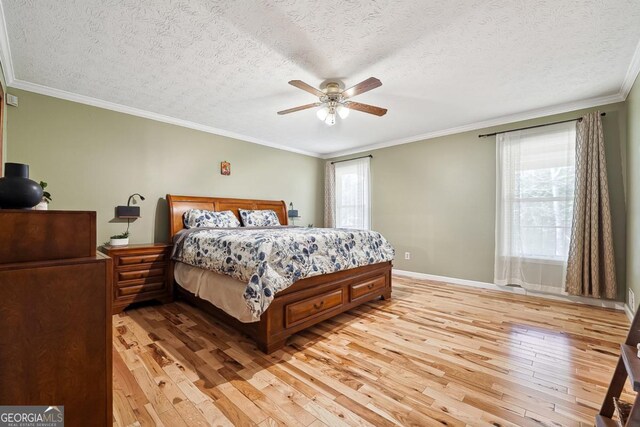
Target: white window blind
x=353, y=198
x=535, y=186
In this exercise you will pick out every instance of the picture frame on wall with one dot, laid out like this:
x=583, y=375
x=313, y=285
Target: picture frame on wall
x=225, y=168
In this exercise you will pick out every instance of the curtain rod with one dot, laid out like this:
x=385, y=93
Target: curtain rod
x=579, y=119
x=347, y=160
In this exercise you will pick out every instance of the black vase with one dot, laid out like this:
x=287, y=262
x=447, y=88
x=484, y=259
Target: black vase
x=17, y=191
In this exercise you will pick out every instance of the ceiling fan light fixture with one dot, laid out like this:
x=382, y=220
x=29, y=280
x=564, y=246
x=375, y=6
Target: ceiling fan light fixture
x=343, y=111
x=323, y=113
x=331, y=119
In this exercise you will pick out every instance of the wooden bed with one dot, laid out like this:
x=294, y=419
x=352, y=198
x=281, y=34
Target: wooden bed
x=303, y=304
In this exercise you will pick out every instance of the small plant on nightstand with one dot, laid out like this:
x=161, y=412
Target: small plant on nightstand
x=120, y=239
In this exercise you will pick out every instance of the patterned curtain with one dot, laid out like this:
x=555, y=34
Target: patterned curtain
x=591, y=269
x=329, y=195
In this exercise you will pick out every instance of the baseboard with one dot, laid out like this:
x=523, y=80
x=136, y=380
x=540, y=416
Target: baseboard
x=617, y=305
x=628, y=312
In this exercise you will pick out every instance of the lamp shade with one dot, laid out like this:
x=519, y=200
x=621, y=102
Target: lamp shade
x=127, y=211
x=331, y=119
x=343, y=111
x=323, y=113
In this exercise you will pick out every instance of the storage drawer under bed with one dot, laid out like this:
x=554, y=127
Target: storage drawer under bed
x=300, y=311
x=362, y=290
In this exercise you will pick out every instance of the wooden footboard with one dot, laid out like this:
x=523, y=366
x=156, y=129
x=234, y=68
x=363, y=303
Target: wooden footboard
x=306, y=303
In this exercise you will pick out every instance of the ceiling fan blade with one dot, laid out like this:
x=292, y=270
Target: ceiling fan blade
x=308, y=88
x=362, y=87
x=366, y=108
x=302, y=107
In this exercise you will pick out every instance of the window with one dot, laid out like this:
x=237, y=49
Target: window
x=535, y=186
x=352, y=193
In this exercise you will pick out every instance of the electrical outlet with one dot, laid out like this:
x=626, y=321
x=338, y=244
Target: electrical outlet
x=632, y=300
x=407, y=255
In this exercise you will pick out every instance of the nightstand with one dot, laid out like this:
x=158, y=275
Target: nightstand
x=140, y=273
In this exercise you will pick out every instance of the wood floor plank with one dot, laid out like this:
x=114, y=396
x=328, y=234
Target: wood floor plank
x=435, y=354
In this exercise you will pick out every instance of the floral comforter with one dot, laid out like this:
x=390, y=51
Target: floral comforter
x=272, y=259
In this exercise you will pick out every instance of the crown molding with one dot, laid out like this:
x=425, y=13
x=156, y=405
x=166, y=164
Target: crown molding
x=632, y=73
x=95, y=102
x=5, y=50
x=528, y=115
x=499, y=121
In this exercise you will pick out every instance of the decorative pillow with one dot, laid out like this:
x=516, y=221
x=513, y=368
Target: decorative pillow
x=266, y=218
x=202, y=218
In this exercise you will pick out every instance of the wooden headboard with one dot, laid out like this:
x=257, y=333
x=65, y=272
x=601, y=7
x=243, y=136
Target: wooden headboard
x=178, y=205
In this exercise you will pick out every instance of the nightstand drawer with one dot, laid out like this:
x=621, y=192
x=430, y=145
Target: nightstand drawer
x=139, y=274
x=142, y=281
x=140, y=288
x=142, y=259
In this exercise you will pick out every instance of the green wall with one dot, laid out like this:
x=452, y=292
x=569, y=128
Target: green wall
x=436, y=198
x=633, y=191
x=93, y=159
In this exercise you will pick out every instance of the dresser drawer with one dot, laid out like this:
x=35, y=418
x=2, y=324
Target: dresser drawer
x=142, y=259
x=139, y=274
x=140, y=288
x=370, y=287
x=307, y=309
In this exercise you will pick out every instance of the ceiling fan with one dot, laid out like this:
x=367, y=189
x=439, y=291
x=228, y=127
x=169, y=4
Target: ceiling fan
x=335, y=101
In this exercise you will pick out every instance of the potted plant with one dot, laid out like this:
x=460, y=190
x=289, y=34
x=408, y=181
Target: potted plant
x=46, y=198
x=120, y=239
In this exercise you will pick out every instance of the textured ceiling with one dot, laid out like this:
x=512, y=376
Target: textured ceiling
x=225, y=64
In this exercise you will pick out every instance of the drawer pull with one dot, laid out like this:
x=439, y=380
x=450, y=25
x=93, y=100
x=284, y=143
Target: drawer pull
x=370, y=286
x=319, y=305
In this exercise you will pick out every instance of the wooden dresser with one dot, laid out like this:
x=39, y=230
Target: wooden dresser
x=140, y=273
x=55, y=315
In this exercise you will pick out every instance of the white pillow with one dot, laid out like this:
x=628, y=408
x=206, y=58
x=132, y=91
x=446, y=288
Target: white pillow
x=257, y=218
x=202, y=218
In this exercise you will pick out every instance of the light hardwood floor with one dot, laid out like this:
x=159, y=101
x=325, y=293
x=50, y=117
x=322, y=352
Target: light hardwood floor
x=435, y=354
